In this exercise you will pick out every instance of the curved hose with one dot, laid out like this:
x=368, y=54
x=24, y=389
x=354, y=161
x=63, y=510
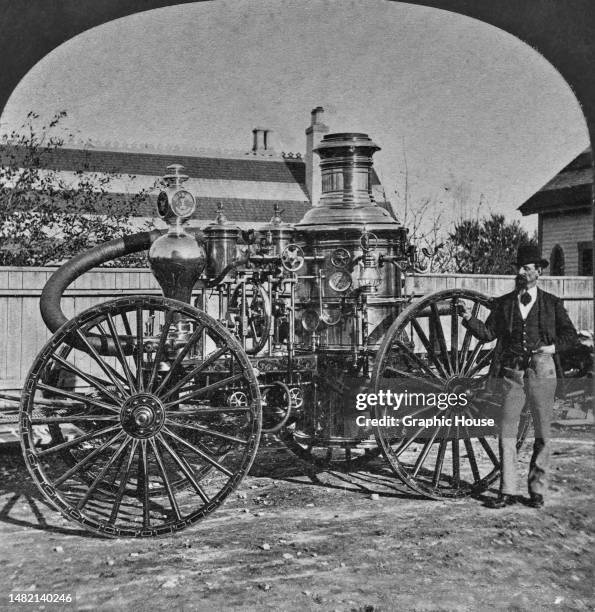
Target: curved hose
x=49, y=303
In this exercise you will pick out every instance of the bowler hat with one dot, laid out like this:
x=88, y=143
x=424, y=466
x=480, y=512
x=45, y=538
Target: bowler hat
x=530, y=254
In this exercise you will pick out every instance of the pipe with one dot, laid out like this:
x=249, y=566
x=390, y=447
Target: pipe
x=51, y=295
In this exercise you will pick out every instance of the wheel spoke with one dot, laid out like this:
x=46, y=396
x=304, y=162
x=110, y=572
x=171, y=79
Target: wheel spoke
x=165, y=479
x=200, y=453
x=467, y=338
x=186, y=469
x=424, y=453
x=101, y=363
x=75, y=441
x=76, y=396
x=429, y=348
x=74, y=469
x=178, y=360
x=206, y=431
x=472, y=358
x=120, y=351
x=406, y=444
x=198, y=392
x=139, y=349
x=454, y=336
x=92, y=381
x=417, y=359
x=126, y=323
x=144, y=464
x=199, y=368
x=74, y=417
x=440, y=336
x=102, y=331
x=83, y=501
x=424, y=382
x=209, y=410
x=123, y=483
x=456, y=464
x=489, y=451
x=160, y=348
x=481, y=363
x=471, y=458
x=440, y=458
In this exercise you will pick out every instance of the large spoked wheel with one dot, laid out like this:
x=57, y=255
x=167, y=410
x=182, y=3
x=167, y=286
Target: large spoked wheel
x=437, y=442
x=137, y=434
x=249, y=306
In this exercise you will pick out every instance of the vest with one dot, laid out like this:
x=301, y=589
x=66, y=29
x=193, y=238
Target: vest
x=524, y=335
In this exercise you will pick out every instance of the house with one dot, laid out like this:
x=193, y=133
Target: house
x=565, y=218
x=247, y=183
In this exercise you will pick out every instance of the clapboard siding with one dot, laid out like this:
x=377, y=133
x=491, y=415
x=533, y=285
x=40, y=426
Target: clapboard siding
x=23, y=333
x=567, y=230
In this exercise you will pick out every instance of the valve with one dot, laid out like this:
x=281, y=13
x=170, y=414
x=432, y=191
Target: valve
x=340, y=258
x=292, y=257
x=368, y=241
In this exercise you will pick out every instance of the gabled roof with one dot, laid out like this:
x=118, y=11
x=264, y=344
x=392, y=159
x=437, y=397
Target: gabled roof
x=252, y=168
x=248, y=187
x=569, y=191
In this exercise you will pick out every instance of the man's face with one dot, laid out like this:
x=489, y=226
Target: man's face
x=527, y=275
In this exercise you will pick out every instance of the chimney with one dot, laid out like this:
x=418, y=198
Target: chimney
x=262, y=141
x=258, y=145
x=314, y=133
x=269, y=141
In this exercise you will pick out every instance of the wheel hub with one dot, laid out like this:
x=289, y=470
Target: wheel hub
x=142, y=415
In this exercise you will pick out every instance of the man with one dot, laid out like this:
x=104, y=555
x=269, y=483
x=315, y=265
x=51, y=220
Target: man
x=531, y=326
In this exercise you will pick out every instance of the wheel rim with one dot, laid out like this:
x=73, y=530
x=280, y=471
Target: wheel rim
x=427, y=351
x=141, y=441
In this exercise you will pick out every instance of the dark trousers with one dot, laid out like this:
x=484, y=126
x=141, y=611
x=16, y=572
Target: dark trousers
x=536, y=384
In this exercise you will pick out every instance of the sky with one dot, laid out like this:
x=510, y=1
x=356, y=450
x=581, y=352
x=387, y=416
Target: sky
x=464, y=113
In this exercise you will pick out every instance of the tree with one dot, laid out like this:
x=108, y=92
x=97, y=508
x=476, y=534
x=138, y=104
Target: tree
x=487, y=246
x=43, y=218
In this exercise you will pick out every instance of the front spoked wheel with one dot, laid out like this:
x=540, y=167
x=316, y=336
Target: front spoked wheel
x=135, y=436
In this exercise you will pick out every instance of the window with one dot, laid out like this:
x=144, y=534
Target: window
x=557, y=261
x=585, y=258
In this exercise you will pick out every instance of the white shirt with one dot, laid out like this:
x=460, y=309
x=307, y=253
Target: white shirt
x=526, y=309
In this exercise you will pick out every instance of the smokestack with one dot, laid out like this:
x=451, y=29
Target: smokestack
x=314, y=133
x=346, y=201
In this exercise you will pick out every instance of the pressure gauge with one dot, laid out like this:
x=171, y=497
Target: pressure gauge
x=310, y=320
x=330, y=315
x=340, y=281
x=183, y=204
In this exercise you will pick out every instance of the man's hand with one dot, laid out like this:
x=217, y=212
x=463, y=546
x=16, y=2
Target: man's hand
x=546, y=349
x=463, y=311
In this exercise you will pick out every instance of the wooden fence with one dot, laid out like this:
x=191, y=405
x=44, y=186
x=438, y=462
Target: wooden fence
x=23, y=333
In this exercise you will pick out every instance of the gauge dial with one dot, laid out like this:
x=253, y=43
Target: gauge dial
x=310, y=320
x=183, y=203
x=330, y=315
x=340, y=281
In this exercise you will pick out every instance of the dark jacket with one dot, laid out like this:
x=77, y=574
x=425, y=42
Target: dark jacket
x=555, y=327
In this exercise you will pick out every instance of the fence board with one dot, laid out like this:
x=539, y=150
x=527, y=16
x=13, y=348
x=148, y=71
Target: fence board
x=23, y=333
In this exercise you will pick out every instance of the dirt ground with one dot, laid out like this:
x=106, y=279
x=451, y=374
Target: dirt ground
x=293, y=540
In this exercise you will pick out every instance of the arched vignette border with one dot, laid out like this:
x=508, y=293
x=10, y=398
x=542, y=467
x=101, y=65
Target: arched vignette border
x=562, y=32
